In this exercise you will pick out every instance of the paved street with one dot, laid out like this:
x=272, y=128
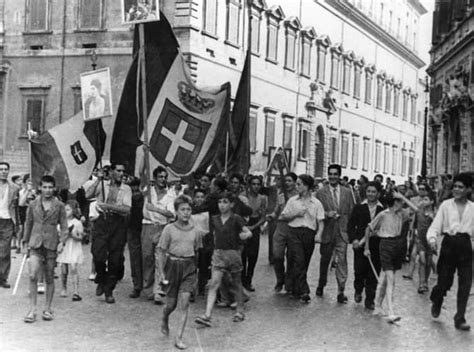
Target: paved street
x=273, y=322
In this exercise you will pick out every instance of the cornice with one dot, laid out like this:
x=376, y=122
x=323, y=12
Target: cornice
x=366, y=23
x=459, y=46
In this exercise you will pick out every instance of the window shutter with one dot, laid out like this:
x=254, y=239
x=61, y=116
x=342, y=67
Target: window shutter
x=90, y=14
x=38, y=15
x=34, y=111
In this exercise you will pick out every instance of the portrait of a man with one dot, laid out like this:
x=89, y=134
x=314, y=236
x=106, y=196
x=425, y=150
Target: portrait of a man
x=96, y=94
x=139, y=11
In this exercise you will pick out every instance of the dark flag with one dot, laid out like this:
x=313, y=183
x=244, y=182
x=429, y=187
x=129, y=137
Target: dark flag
x=184, y=123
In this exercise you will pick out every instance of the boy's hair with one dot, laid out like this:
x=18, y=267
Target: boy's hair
x=336, y=167
x=26, y=177
x=48, y=179
x=238, y=177
x=158, y=170
x=182, y=199
x=254, y=177
x=198, y=190
x=373, y=184
x=134, y=182
x=292, y=175
x=226, y=195
x=113, y=166
x=389, y=200
x=5, y=163
x=221, y=183
x=307, y=180
x=76, y=209
x=464, y=178
x=14, y=178
x=431, y=195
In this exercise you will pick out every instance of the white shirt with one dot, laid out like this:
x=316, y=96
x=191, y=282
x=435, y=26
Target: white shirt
x=447, y=220
x=166, y=203
x=4, y=212
x=314, y=212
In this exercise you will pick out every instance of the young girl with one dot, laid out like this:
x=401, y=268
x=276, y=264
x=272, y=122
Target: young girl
x=72, y=255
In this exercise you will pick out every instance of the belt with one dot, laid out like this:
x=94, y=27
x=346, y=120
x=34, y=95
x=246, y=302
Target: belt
x=176, y=257
x=390, y=238
x=456, y=234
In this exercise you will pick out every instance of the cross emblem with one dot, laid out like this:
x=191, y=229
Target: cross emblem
x=177, y=141
x=78, y=153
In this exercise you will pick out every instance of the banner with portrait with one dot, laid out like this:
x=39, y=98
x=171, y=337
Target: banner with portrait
x=140, y=11
x=96, y=94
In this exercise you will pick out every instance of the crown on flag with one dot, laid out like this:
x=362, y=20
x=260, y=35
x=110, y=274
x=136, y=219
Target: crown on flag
x=190, y=98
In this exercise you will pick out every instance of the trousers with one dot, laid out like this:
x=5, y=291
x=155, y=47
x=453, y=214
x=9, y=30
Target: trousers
x=6, y=234
x=280, y=250
x=135, y=252
x=151, y=234
x=250, y=254
x=364, y=277
x=301, y=247
x=455, y=254
x=339, y=248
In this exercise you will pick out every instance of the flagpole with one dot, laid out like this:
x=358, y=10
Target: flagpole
x=142, y=63
x=226, y=152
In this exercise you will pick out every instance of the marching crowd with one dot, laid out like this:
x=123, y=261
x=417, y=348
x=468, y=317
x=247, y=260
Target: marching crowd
x=203, y=234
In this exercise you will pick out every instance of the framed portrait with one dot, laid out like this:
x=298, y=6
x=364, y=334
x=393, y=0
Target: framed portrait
x=96, y=94
x=140, y=11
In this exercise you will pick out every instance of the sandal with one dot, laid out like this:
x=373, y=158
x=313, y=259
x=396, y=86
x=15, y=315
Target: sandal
x=47, y=316
x=30, y=317
x=76, y=297
x=203, y=320
x=238, y=317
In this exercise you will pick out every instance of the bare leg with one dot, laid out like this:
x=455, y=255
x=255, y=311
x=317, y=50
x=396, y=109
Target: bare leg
x=380, y=294
x=75, y=278
x=238, y=291
x=184, y=308
x=49, y=280
x=34, y=272
x=216, y=280
x=390, y=291
x=167, y=310
x=64, y=272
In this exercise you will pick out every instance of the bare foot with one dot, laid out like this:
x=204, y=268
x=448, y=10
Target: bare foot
x=179, y=344
x=379, y=312
x=164, y=327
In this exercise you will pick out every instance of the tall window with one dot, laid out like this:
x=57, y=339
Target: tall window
x=405, y=105
x=366, y=156
x=38, y=14
x=77, y=102
x=210, y=17
x=307, y=37
x=269, y=130
x=322, y=46
x=333, y=149
x=256, y=20
x=346, y=80
x=287, y=133
x=304, y=142
x=33, y=108
x=253, y=129
x=394, y=159
x=378, y=156
x=355, y=152
x=291, y=28
x=413, y=98
x=233, y=21
x=388, y=96
x=357, y=77
x=386, y=158
x=90, y=14
x=369, y=72
x=335, y=63
x=404, y=162
x=344, y=150
x=273, y=25
x=380, y=85
x=411, y=163
x=396, y=98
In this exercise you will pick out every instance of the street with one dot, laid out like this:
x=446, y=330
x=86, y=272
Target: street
x=273, y=322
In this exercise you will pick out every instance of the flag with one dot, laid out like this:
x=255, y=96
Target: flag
x=69, y=152
x=184, y=122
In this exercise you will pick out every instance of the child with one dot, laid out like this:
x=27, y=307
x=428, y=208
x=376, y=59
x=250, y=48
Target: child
x=229, y=231
x=178, y=245
x=43, y=243
x=72, y=255
x=388, y=226
x=424, y=218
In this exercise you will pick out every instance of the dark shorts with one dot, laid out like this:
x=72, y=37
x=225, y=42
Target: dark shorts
x=43, y=253
x=229, y=260
x=391, y=253
x=181, y=274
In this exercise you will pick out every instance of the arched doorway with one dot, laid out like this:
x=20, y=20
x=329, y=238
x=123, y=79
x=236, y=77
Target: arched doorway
x=319, y=157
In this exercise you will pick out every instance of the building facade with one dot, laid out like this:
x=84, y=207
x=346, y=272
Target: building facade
x=451, y=124
x=332, y=81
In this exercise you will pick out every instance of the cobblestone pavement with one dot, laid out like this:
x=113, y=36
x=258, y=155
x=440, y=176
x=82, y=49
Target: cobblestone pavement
x=273, y=322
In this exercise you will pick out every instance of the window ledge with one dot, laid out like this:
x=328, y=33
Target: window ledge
x=300, y=159
x=346, y=93
x=289, y=69
x=353, y=167
x=209, y=34
x=256, y=54
x=305, y=75
x=254, y=151
x=24, y=136
x=87, y=30
x=271, y=60
x=37, y=32
x=228, y=42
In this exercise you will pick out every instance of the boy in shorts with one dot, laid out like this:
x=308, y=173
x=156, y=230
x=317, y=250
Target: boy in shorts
x=43, y=242
x=388, y=226
x=229, y=232
x=178, y=245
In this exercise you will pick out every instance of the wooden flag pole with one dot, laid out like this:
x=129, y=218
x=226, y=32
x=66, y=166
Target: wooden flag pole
x=146, y=149
x=226, y=152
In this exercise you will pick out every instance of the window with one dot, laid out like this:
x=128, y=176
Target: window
x=77, y=103
x=233, y=21
x=381, y=14
x=346, y=79
x=357, y=77
x=335, y=60
x=33, y=108
x=411, y=163
x=322, y=45
x=386, y=158
x=307, y=37
x=378, y=156
x=344, y=150
x=256, y=20
x=210, y=17
x=380, y=84
x=275, y=15
x=404, y=162
x=304, y=142
x=38, y=15
x=396, y=98
x=287, y=133
x=269, y=130
x=290, y=49
x=90, y=14
x=388, y=96
x=333, y=149
x=369, y=71
x=253, y=129
x=413, y=108
x=405, y=105
x=366, y=156
x=394, y=159
x=355, y=152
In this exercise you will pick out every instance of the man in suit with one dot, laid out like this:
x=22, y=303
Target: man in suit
x=338, y=203
x=361, y=216
x=8, y=206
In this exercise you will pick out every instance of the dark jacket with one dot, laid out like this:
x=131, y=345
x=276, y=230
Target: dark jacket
x=359, y=220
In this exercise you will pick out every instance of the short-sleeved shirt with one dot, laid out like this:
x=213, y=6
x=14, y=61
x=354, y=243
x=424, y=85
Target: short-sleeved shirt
x=314, y=212
x=226, y=235
x=389, y=223
x=180, y=242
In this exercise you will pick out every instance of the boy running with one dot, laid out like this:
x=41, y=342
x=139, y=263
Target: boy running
x=229, y=232
x=178, y=245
